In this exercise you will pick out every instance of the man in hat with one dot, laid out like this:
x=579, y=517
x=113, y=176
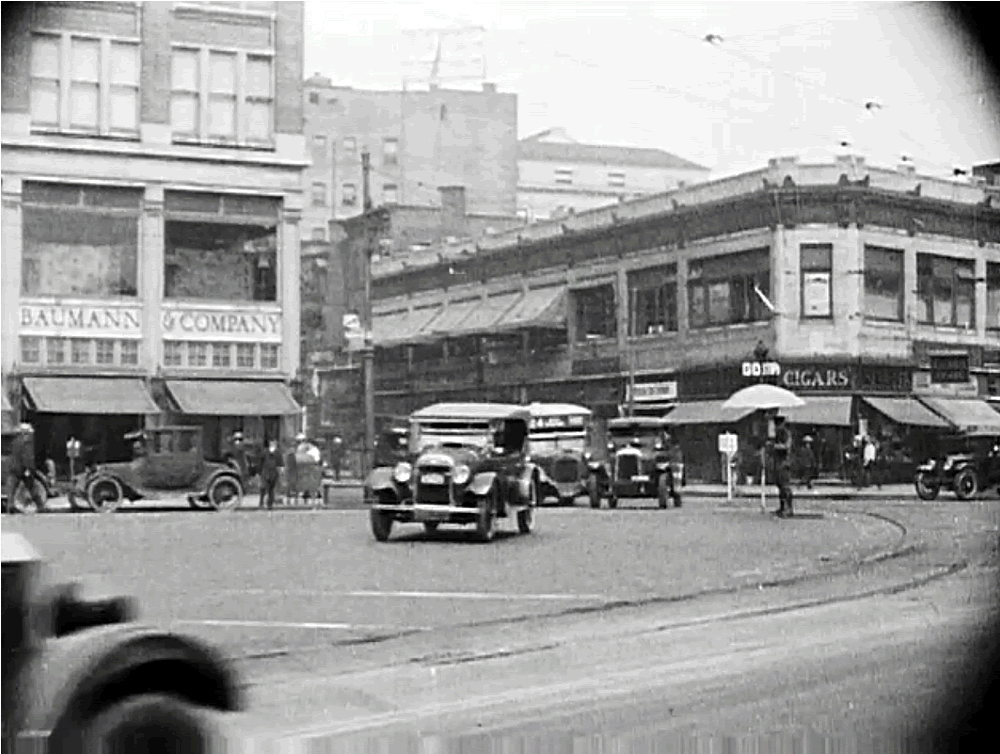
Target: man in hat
x=781, y=450
x=808, y=461
x=22, y=468
x=238, y=455
x=270, y=465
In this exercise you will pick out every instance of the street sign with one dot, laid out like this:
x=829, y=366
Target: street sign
x=728, y=443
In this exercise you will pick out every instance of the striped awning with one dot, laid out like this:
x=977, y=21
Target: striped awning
x=821, y=411
x=968, y=414
x=232, y=397
x=705, y=412
x=906, y=411
x=90, y=395
x=540, y=307
x=402, y=326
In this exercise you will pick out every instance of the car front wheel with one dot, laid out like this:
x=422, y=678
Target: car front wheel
x=105, y=494
x=486, y=516
x=927, y=486
x=152, y=723
x=526, y=516
x=966, y=483
x=225, y=493
x=27, y=499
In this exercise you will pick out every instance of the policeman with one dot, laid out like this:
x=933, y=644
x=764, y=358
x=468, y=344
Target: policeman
x=781, y=452
x=22, y=470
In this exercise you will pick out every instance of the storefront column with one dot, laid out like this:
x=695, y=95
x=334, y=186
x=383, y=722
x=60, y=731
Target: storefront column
x=11, y=281
x=151, y=271
x=981, y=293
x=849, y=286
x=289, y=265
x=682, y=295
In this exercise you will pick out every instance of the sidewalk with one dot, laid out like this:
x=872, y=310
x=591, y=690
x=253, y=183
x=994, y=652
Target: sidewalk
x=824, y=489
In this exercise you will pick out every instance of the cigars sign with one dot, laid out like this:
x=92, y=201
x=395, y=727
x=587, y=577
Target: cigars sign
x=801, y=378
x=231, y=324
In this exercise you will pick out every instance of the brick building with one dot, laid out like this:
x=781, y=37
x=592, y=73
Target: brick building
x=875, y=292
x=557, y=175
x=152, y=165
x=419, y=141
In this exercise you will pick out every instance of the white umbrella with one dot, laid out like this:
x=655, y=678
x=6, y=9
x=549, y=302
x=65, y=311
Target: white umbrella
x=763, y=397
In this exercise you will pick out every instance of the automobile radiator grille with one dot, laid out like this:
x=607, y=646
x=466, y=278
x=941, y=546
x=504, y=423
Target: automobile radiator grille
x=433, y=492
x=565, y=470
x=628, y=466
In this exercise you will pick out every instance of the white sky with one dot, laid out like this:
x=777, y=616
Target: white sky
x=787, y=77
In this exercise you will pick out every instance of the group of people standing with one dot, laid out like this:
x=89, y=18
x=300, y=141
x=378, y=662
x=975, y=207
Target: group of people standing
x=304, y=454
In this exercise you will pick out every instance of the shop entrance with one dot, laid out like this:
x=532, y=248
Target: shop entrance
x=101, y=436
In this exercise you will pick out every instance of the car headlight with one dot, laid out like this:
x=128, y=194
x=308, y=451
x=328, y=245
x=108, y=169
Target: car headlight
x=461, y=475
x=402, y=472
x=659, y=445
x=949, y=462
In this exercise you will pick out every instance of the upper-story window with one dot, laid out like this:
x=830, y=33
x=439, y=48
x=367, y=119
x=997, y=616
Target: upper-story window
x=728, y=289
x=350, y=145
x=883, y=284
x=616, y=180
x=993, y=295
x=221, y=96
x=946, y=291
x=85, y=83
x=816, y=269
x=319, y=195
x=79, y=240
x=652, y=300
x=564, y=176
x=390, y=152
x=390, y=193
x=319, y=148
x=596, y=315
x=349, y=194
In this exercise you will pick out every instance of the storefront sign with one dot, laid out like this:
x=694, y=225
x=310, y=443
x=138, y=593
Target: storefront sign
x=816, y=294
x=214, y=324
x=817, y=378
x=90, y=319
x=950, y=369
x=761, y=369
x=556, y=422
x=653, y=391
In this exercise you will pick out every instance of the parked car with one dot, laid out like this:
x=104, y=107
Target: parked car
x=168, y=461
x=967, y=465
x=638, y=464
x=559, y=441
x=468, y=464
x=80, y=675
x=17, y=498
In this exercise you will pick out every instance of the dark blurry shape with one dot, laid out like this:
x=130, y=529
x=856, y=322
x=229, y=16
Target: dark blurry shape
x=713, y=38
x=78, y=605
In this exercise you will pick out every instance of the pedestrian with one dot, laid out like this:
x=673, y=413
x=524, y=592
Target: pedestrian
x=869, y=453
x=269, y=471
x=22, y=468
x=337, y=456
x=672, y=453
x=808, y=461
x=306, y=455
x=238, y=457
x=781, y=452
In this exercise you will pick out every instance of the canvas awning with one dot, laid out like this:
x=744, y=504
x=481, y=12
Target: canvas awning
x=705, y=412
x=90, y=395
x=395, y=328
x=907, y=411
x=968, y=414
x=823, y=411
x=540, y=307
x=232, y=397
x=453, y=317
x=485, y=316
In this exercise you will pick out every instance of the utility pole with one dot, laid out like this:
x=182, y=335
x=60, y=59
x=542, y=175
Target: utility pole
x=368, y=348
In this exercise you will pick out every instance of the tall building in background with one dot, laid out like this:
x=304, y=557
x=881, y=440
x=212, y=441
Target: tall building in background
x=558, y=175
x=152, y=196
x=419, y=141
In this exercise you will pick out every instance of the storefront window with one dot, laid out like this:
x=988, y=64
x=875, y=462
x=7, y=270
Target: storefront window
x=221, y=247
x=268, y=356
x=130, y=352
x=946, y=292
x=31, y=349
x=993, y=296
x=595, y=312
x=105, y=351
x=81, y=350
x=197, y=354
x=55, y=351
x=816, y=262
x=653, y=300
x=244, y=355
x=79, y=240
x=883, y=284
x=172, y=353
x=729, y=289
x=220, y=354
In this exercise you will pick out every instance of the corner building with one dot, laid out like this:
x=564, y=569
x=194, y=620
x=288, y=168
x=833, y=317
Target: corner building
x=152, y=163
x=872, y=293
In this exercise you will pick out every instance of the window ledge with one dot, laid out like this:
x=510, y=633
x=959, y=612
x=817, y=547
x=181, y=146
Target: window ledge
x=654, y=335
x=223, y=143
x=76, y=133
x=733, y=326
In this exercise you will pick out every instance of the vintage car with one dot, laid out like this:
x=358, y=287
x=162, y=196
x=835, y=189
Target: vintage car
x=968, y=464
x=559, y=440
x=19, y=499
x=79, y=675
x=168, y=461
x=638, y=463
x=468, y=464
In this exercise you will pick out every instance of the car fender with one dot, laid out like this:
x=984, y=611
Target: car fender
x=481, y=483
x=381, y=479
x=75, y=675
x=218, y=473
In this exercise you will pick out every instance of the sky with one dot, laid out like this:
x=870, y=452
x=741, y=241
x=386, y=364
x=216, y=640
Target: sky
x=880, y=80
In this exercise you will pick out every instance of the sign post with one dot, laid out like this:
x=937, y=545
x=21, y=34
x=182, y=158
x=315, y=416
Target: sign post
x=728, y=444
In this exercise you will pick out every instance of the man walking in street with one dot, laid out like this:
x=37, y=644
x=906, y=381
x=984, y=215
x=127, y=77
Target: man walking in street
x=782, y=466
x=269, y=471
x=808, y=462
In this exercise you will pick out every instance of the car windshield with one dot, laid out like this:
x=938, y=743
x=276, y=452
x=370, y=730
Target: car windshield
x=551, y=442
x=644, y=435
x=452, y=434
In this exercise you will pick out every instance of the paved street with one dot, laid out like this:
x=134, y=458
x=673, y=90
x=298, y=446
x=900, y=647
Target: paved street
x=331, y=628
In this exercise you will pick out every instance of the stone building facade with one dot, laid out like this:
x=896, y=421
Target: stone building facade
x=861, y=288
x=152, y=164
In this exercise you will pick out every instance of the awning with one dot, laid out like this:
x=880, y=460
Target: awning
x=907, y=411
x=484, y=317
x=90, y=395
x=453, y=317
x=705, y=412
x=395, y=328
x=968, y=414
x=824, y=411
x=232, y=397
x=541, y=307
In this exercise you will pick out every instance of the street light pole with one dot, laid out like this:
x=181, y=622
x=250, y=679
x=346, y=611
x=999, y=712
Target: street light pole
x=368, y=348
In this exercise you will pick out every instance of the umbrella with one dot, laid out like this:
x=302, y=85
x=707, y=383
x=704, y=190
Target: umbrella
x=763, y=397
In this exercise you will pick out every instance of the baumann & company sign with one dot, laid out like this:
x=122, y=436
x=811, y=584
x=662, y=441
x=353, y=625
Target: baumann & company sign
x=79, y=319
x=230, y=324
